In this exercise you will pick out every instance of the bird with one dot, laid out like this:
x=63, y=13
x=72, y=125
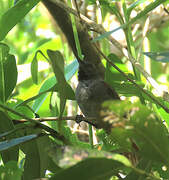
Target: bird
x=92, y=91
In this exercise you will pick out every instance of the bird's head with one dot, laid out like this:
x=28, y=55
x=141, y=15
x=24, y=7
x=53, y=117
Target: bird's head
x=88, y=70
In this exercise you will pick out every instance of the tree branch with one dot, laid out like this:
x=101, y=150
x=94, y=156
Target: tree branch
x=64, y=118
x=100, y=29
x=53, y=133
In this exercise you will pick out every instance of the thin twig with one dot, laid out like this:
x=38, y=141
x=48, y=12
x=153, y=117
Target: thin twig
x=166, y=10
x=77, y=9
x=64, y=118
x=53, y=133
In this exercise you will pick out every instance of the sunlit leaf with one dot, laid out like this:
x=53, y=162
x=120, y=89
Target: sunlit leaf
x=58, y=68
x=122, y=159
x=49, y=85
x=25, y=109
x=164, y=115
x=64, y=88
x=34, y=69
x=43, y=92
x=11, y=17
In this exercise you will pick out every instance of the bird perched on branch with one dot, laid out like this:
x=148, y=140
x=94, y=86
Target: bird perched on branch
x=92, y=91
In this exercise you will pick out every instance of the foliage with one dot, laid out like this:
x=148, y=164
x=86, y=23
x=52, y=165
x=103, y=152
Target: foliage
x=137, y=144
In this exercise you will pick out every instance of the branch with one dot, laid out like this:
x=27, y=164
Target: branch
x=64, y=118
x=100, y=29
x=90, y=24
x=77, y=119
x=53, y=133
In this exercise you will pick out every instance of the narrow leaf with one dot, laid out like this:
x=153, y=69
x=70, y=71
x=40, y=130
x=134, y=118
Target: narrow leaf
x=34, y=69
x=158, y=56
x=11, y=143
x=135, y=4
x=36, y=160
x=8, y=72
x=14, y=15
x=57, y=65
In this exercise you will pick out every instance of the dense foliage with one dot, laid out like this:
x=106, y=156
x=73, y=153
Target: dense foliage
x=37, y=82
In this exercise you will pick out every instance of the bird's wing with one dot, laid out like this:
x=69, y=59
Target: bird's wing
x=101, y=91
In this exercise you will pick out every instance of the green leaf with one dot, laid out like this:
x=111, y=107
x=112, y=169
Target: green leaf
x=10, y=171
x=109, y=6
x=52, y=166
x=4, y=49
x=143, y=164
x=106, y=34
x=150, y=135
x=158, y=56
x=126, y=88
x=134, y=4
x=120, y=136
x=26, y=110
x=91, y=168
x=36, y=161
x=71, y=69
x=163, y=114
x=32, y=161
x=11, y=17
x=7, y=125
x=64, y=88
x=10, y=75
x=3, y=54
x=122, y=159
x=106, y=141
x=51, y=84
x=57, y=61
x=8, y=72
x=117, y=80
x=34, y=69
